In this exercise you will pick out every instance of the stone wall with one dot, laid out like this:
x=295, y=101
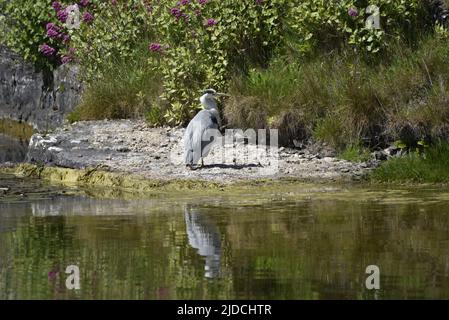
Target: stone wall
x=37, y=98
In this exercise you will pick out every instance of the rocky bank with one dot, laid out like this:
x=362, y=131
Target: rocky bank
x=40, y=98
x=157, y=153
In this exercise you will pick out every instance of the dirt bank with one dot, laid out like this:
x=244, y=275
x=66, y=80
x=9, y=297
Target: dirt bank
x=133, y=147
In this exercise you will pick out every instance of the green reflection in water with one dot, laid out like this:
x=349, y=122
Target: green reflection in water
x=301, y=243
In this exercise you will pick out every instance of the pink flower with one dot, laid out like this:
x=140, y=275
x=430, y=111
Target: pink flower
x=56, y=6
x=51, y=25
x=84, y=3
x=66, y=59
x=66, y=38
x=52, y=33
x=46, y=50
x=62, y=15
x=155, y=47
x=211, y=22
x=88, y=17
x=353, y=12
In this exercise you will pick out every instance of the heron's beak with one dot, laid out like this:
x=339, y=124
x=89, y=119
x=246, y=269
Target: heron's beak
x=220, y=94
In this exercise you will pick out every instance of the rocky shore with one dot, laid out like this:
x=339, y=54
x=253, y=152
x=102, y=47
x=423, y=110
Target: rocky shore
x=133, y=147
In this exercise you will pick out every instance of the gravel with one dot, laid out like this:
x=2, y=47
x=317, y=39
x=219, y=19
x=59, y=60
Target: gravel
x=133, y=146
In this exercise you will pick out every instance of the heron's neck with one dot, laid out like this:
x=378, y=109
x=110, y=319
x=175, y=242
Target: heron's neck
x=208, y=103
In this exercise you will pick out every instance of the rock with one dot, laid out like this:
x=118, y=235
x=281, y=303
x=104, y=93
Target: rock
x=298, y=144
x=122, y=149
x=153, y=157
x=380, y=155
x=55, y=149
x=42, y=100
x=4, y=190
x=391, y=150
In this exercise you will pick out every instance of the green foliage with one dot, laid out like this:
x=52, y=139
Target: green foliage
x=342, y=99
x=203, y=45
x=355, y=153
x=430, y=166
x=127, y=89
x=117, y=32
x=326, y=23
x=24, y=22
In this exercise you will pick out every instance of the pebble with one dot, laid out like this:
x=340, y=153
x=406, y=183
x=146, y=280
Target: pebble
x=150, y=144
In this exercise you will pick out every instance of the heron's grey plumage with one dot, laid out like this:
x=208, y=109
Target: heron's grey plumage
x=208, y=119
x=204, y=236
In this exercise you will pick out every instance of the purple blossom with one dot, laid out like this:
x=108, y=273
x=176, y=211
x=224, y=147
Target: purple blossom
x=114, y=2
x=175, y=12
x=353, y=12
x=66, y=59
x=56, y=6
x=52, y=33
x=155, y=47
x=84, y=3
x=202, y=2
x=46, y=50
x=185, y=16
x=197, y=12
x=62, y=15
x=259, y=2
x=184, y=2
x=65, y=38
x=72, y=51
x=52, y=274
x=51, y=26
x=211, y=22
x=88, y=17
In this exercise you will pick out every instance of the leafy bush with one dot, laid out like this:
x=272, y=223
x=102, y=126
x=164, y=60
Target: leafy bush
x=127, y=89
x=194, y=44
x=342, y=100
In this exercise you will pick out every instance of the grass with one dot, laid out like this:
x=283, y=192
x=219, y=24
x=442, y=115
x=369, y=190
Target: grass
x=355, y=153
x=341, y=99
x=124, y=89
x=430, y=167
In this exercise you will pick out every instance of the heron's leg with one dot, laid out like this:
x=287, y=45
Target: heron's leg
x=202, y=161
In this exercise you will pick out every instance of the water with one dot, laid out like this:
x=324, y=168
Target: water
x=12, y=149
x=292, y=242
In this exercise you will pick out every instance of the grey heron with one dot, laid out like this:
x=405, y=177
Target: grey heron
x=205, y=237
x=196, y=146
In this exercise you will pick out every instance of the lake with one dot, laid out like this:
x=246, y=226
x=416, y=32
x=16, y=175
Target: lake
x=291, y=241
x=284, y=241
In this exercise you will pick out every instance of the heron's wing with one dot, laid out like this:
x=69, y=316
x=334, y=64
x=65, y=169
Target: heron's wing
x=194, y=146
x=204, y=236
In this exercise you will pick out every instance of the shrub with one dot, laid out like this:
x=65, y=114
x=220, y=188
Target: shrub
x=342, y=100
x=194, y=44
x=431, y=166
x=127, y=89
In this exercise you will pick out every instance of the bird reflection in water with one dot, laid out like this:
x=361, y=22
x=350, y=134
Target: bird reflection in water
x=204, y=236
